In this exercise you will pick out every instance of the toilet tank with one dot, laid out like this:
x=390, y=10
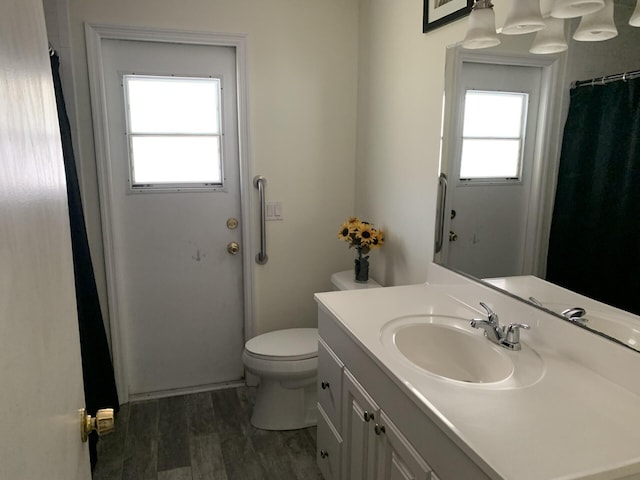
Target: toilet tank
x=346, y=281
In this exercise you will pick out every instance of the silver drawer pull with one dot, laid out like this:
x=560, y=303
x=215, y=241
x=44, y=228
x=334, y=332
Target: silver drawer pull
x=368, y=416
x=324, y=385
x=324, y=454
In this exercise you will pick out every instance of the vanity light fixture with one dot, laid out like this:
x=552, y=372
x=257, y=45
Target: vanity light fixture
x=634, y=21
x=597, y=26
x=524, y=17
x=575, y=8
x=550, y=40
x=481, y=31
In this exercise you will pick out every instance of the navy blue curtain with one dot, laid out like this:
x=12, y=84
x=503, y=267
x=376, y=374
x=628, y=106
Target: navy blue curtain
x=99, y=381
x=594, y=248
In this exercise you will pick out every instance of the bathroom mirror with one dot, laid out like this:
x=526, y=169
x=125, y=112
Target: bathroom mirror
x=494, y=222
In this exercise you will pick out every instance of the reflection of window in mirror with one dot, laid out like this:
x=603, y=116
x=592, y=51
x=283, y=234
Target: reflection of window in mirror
x=493, y=135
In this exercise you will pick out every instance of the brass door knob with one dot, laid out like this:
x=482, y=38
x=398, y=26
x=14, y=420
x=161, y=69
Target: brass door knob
x=233, y=248
x=103, y=422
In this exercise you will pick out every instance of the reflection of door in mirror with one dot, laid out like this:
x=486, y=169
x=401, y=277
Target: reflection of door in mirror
x=490, y=169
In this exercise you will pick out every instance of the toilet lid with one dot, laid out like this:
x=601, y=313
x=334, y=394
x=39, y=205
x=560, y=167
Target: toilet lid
x=292, y=344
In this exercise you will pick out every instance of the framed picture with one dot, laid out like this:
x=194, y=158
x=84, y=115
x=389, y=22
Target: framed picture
x=440, y=12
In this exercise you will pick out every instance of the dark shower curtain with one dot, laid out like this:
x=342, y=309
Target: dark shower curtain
x=594, y=248
x=97, y=370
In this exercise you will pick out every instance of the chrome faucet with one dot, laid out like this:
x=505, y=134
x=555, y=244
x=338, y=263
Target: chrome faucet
x=576, y=315
x=507, y=336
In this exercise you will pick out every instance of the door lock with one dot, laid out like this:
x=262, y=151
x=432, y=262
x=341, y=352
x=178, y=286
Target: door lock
x=453, y=236
x=233, y=248
x=232, y=223
x=103, y=422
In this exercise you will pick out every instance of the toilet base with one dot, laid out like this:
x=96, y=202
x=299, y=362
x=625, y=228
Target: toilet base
x=280, y=408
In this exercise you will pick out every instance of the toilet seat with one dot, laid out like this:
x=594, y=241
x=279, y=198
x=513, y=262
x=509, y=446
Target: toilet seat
x=284, y=345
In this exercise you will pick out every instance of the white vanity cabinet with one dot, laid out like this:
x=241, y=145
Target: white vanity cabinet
x=329, y=440
x=367, y=428
x=373, y=447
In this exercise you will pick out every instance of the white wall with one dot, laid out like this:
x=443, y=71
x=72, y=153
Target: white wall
x=302, y=66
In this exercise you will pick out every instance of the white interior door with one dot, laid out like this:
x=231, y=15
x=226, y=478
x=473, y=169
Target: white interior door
x=40, y=367
x=179, y=291
x=487, y=217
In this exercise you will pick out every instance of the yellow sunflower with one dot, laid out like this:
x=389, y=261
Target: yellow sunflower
x=365, y=233
x=346, y=230
x=353, y=220
x=378, y=239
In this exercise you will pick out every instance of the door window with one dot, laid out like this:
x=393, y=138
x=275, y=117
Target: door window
x=174, y=132
x=493, y=135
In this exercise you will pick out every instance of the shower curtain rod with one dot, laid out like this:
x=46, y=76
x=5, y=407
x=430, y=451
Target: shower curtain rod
x=606, y=79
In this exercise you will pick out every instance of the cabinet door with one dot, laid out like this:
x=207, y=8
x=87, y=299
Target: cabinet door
x=360, y=413
x=330, y=384
x=328, y=448
x=397, y=459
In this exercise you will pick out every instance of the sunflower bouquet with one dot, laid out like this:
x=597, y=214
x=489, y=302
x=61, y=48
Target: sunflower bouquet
x=363, y=237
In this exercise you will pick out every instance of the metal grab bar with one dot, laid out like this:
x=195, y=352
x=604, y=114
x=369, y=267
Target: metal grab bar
x=442, y=197
x=261, y=257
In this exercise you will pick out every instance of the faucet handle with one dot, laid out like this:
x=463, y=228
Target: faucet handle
x=492, y=316
x=512, y=335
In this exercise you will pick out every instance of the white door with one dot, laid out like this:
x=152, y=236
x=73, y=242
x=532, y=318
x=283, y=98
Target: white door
x=40, y=367
x=179, y=290
x=491, y=173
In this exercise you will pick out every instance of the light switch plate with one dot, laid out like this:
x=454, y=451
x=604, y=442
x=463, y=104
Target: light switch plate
x=274, y=211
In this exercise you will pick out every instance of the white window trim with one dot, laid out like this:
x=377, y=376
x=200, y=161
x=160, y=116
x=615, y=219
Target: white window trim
x=178, y=187
x=483, y=181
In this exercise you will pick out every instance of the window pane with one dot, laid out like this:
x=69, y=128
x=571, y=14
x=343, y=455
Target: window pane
x=173, y=105
x=490, y=159
x=176, y=159
x=493, y=114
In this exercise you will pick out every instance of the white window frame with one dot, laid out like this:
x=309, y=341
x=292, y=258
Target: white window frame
x=135, y=188
x=523, y=127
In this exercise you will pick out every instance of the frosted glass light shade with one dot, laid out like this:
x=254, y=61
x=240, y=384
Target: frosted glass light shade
x=634, y=21
x=575, y=8
x=481, y=32
x=523, y=17
x=545, y=7
x=550, y=40
x=598, y=26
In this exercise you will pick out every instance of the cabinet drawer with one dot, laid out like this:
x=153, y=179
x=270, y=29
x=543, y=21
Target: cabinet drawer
x=330, y=384
x=329, y=447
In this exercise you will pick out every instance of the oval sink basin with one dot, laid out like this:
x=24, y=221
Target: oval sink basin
x=452, y=353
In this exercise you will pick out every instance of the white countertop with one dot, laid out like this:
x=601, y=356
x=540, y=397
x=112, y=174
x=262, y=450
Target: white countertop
x=571, y=423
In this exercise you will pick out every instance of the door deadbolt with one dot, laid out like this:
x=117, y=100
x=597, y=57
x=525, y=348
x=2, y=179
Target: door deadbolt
x=232, y=223
x=103, y=422
x=453, y=236
x=233, y=248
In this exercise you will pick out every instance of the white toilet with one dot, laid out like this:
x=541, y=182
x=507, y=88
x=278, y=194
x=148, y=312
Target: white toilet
x=286, y=361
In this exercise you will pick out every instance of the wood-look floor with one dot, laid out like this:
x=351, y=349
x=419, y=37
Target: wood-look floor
x=202, y=436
